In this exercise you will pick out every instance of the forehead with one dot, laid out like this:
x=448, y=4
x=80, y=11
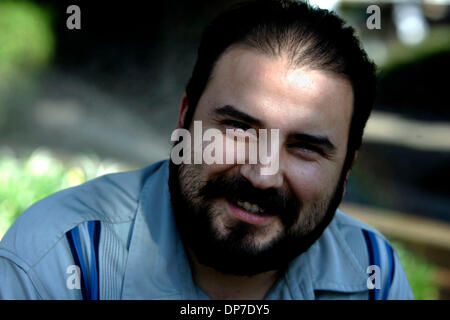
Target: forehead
x=269, y=89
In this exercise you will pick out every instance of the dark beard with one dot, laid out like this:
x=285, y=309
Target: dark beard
x=235, y=254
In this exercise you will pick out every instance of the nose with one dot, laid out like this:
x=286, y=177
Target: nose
x=253, y=173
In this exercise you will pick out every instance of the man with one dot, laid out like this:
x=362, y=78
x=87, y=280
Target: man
x=227, y=230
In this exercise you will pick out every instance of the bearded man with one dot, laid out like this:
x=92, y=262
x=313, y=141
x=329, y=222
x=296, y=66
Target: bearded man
x=226, y=230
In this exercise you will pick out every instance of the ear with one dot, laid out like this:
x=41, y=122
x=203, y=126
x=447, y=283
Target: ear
x=183, y=110
x=348, y=172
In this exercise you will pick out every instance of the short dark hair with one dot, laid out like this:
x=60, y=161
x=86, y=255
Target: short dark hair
x=309, y=36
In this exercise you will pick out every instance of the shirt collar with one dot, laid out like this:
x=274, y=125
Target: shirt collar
x=157, y=266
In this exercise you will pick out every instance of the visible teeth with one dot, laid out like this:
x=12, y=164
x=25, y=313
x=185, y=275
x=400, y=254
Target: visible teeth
x=249, y=206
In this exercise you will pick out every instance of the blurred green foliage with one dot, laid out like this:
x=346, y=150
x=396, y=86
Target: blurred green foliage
x=436, y=42
x=26, y=40
x=420, y=272
x=27, y=44
x=25, y=181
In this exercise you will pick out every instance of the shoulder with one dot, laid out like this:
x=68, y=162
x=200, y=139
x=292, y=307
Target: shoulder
x=347, y=223
x=359, y=238
x=111, y=198
x=367, y=244
x=341, y=263
x=374, y=253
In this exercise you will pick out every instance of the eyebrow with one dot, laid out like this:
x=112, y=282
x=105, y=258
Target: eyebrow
x=317, y=140
x=231, y=111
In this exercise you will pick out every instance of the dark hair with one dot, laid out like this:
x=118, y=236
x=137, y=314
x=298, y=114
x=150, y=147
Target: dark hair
x=309, y=36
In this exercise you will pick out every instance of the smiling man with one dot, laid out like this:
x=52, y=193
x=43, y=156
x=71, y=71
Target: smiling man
x=226, y=230
x=239, y=221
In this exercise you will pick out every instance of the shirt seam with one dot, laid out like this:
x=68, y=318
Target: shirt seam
x=26, y=272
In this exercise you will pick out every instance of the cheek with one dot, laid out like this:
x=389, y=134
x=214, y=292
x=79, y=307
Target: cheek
x=311, y=181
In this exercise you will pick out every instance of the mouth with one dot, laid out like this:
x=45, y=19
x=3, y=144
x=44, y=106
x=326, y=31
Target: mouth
x=249, y=212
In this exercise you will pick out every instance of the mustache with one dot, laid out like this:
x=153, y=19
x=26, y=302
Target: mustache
x=273, y=201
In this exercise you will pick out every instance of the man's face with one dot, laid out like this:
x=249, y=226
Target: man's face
x=312, y=111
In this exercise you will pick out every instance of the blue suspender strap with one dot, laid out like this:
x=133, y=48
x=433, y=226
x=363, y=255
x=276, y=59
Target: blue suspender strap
x=374, y=259
x=89, y=284
x=94, y=235
x=73, y=237
x=391, y=267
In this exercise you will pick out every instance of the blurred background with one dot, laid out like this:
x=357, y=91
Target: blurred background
x=76, y=104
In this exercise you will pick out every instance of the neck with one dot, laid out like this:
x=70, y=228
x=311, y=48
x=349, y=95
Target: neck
x=220, y=286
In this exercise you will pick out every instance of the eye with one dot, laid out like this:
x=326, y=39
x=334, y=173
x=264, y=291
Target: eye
x=236, y=124
x=305, y=147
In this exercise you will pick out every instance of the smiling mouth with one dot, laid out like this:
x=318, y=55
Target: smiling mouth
x=251, y=207
x=249, y=212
